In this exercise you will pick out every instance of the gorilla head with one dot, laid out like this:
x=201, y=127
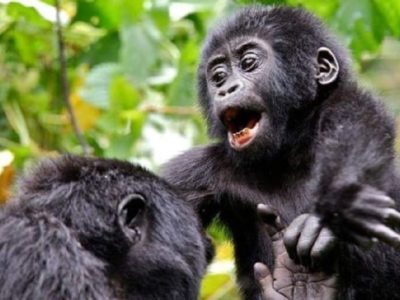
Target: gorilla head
x=135, y=223
x=259, y=71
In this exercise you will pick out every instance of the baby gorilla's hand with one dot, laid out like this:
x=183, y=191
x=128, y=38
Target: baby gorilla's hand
x=289, y=280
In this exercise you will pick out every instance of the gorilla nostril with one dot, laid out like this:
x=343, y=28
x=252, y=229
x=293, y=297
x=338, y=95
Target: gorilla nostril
x=221, y=93
x=230, y=90
x=233, y=88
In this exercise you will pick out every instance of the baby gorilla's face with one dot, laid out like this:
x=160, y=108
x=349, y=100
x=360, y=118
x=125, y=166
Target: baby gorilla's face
x=148, y=235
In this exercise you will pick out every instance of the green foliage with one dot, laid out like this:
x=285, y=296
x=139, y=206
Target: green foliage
x=362, y=24
x=126, y=55
x=132, y=75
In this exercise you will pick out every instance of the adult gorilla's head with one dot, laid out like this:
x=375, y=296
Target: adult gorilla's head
x=260, y=72
x=147, y=235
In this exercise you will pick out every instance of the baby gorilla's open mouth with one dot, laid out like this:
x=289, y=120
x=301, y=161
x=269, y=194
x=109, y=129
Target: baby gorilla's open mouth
x=242, y=126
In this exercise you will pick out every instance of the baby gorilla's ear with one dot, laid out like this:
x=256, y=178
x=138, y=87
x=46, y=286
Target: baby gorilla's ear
x=328, y=66
x=131, y=217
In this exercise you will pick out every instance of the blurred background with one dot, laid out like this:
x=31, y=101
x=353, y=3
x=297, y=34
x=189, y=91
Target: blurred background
x=130, y=81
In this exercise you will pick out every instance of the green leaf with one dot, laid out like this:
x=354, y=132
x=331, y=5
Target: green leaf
x=268, y=2
x=123, y=95
x=219, y=286
x=136, y=120
x=26, y=14
x=160, y=15
x=30, y=36
x=124, y=130
x=131, y=11
x=104, y=50
x=203, y=2
x=213, y=283
x=101, y=13
x=363, y=39
x=23, y=46
x=82, y=34
x=182, y=91
x=5, y=20
x=96, y=88
x=111, y=123
x=121, y=147
x=390, y=11
x=324, y=9
x=363, y=26
x=138, y=53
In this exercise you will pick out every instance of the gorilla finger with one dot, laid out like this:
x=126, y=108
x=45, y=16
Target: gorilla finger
x=265, y=280
x=266, y=213
x=380, y=231
x=292, y=235
x=385, y=234
x=269, y=216
x=379, y=200
x=392, y=216
x=361, y=241
x=308, y=236
x=323, y=245
x=369, y=211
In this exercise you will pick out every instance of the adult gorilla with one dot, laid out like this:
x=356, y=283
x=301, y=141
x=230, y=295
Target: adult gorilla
x=88, y=228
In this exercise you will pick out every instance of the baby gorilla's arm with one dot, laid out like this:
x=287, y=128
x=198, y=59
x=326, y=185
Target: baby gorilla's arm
x=289, y=280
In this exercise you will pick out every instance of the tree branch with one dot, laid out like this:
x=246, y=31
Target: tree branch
x=170, y=110
x=64, y=82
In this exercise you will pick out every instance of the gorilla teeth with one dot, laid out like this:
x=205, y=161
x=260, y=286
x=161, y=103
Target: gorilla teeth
x=242, y=132
x=242, y=138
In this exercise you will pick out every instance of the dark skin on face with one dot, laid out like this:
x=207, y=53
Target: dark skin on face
x=233, y=73
x=295, y=132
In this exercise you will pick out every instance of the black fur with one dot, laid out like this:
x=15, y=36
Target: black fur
x=323, y=146
x=62, y=236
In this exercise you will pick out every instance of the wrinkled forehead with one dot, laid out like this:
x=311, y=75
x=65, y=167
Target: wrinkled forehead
x=235, y=47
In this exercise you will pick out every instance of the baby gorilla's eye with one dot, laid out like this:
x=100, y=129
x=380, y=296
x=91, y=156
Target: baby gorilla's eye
x=249, y=62
x=219, y=75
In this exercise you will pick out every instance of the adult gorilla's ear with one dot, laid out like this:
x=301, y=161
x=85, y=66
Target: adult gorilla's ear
x=131, y=217
x=327, y=66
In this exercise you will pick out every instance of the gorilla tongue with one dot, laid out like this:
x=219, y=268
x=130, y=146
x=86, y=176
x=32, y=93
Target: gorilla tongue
x=241, y=124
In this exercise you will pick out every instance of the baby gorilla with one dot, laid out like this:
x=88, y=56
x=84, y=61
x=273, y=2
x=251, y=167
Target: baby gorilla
x=89, y=228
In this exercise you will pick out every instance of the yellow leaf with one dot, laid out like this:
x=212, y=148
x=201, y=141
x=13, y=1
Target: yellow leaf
x=6, y=180
x=86, y=114
x=6, y=174
x=224, y=251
